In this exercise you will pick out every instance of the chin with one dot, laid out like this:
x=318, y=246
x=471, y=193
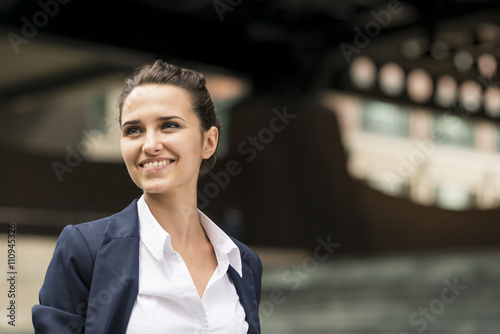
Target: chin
x=153, y=186
x=155, y=189
x=164, y=185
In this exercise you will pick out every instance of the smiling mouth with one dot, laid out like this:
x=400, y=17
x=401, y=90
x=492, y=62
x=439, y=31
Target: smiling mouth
x=152, y=164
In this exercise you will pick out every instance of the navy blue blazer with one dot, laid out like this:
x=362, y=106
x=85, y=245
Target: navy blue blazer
x=92, y=281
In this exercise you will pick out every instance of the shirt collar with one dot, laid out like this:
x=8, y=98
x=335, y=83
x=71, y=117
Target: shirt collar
x=153, y=236
x=225, y=249
x=156, y=239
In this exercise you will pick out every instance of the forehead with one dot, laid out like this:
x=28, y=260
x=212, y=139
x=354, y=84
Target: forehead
x=156, y=98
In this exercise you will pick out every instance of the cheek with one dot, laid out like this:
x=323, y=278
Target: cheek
x=189, y=144
x=127, y=152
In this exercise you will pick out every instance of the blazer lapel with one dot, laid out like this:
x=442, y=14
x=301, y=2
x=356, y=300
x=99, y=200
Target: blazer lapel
x=116, y=273
x=245, y=287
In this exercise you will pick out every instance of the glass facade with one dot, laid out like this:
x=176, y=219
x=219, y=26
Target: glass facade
x=428, y=157
x=385, y=118
x=454, y=130
x=454, y=197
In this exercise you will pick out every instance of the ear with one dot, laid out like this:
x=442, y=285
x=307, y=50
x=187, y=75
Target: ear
x=210, y=140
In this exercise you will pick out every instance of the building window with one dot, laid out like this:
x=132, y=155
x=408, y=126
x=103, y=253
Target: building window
x=95, y=112
x=454, y=197
x=453, y=130
x=389, y=184
x=498, y=138
x=385, y=118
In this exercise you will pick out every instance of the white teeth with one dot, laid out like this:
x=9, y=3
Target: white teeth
x=155, y=164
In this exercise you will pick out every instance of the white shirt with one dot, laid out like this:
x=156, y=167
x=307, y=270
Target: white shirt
x=168, y=301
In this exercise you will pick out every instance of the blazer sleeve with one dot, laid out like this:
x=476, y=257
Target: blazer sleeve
x=258, y=277
x=253, y=317
x=64, y=294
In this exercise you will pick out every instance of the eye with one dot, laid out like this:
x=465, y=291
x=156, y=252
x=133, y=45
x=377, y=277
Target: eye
x=170, y=125
x=131, y=130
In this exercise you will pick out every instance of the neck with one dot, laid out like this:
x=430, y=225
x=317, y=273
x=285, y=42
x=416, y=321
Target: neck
x=177, y=216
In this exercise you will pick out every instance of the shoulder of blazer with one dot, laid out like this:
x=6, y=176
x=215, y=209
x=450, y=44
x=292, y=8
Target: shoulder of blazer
x=249, y=257
x=94, y=231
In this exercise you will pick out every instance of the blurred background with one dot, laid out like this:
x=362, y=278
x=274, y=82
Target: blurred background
x=360, y=155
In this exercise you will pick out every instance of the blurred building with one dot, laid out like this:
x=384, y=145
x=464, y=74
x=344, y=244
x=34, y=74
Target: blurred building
x=433, y=159
x=394, y=99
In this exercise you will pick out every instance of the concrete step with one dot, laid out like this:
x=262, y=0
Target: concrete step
x=455, y=292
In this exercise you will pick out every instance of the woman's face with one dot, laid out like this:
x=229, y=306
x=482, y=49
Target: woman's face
x=162, y=141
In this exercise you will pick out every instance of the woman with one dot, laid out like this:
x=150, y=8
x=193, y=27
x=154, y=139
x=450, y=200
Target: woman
x=160, y=265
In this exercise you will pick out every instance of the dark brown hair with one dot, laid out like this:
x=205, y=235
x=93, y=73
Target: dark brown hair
x=193, y=82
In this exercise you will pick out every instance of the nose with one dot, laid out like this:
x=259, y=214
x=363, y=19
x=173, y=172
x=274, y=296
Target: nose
x=152, y=143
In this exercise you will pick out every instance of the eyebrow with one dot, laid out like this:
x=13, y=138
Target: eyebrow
x=159, y=119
